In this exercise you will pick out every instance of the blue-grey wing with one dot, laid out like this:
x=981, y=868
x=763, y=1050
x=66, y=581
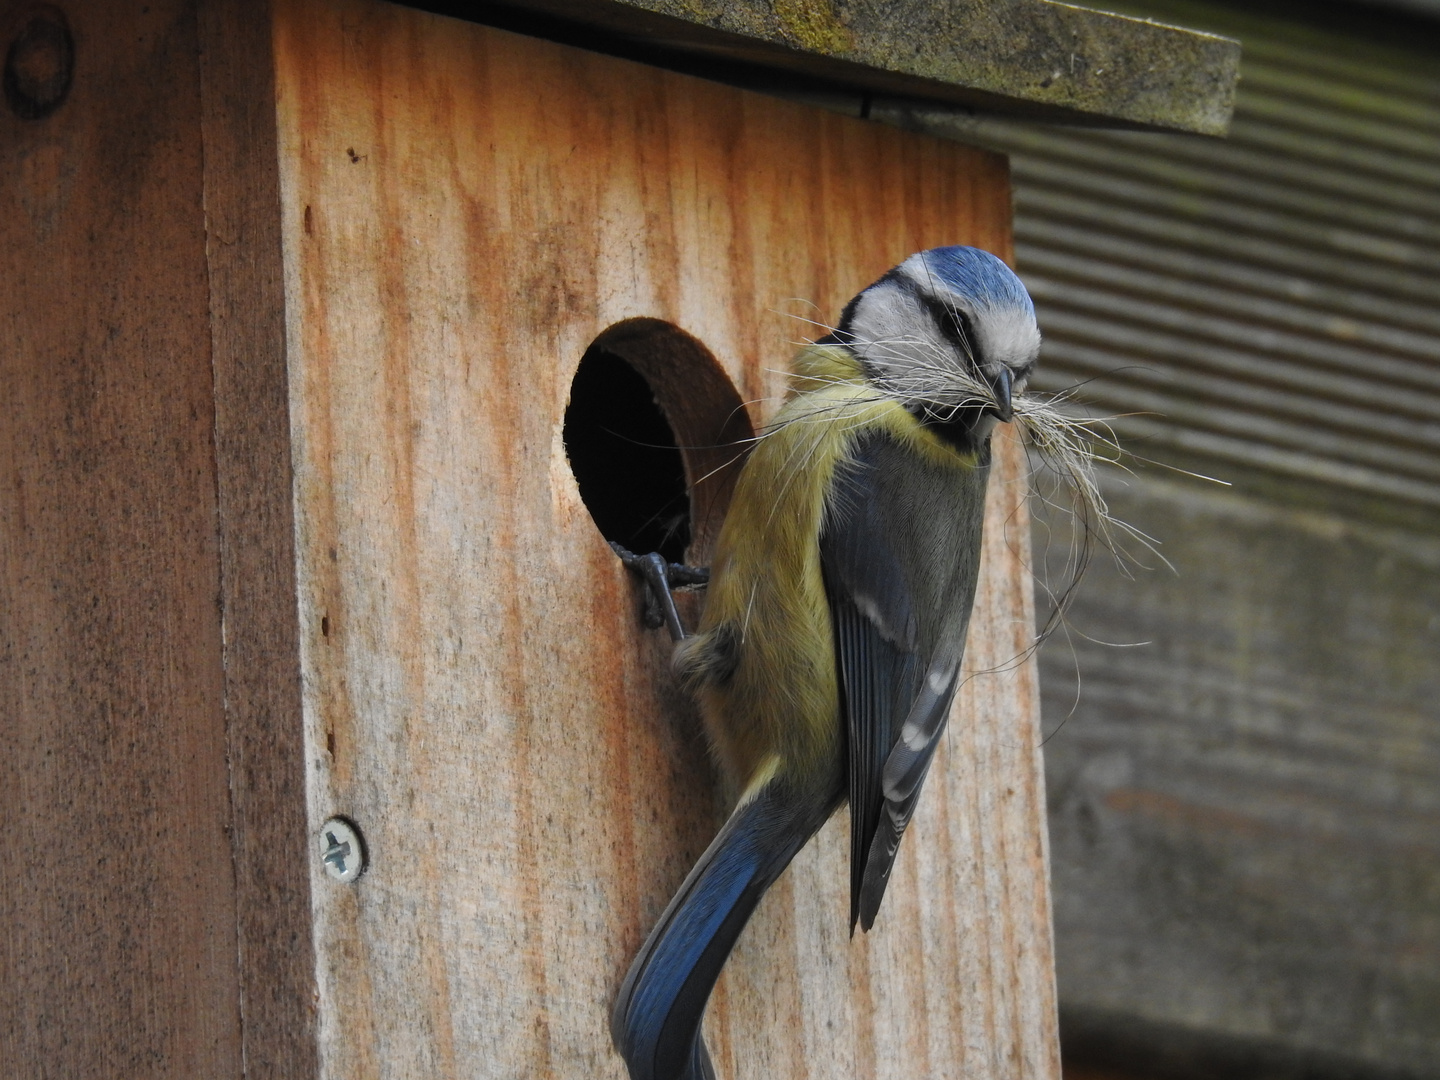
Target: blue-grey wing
x=899, y=549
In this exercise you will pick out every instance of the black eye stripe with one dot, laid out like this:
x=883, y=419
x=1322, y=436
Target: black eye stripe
x=954, y=323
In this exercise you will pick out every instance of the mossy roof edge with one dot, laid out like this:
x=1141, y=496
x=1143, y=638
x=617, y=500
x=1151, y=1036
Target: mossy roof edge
x=1036, y=58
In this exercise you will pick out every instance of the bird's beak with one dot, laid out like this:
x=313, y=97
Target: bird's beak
x=1002, y=409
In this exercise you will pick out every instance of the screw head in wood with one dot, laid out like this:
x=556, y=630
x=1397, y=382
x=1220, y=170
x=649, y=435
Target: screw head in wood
x=342, y=850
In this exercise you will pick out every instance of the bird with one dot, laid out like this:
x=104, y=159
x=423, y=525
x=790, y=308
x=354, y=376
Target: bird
x=838, y=599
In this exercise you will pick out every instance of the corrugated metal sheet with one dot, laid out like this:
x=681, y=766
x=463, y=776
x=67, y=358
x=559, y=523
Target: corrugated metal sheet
x=1271, y=299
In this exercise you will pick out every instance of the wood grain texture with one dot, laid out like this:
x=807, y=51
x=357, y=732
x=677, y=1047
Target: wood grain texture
x=117, y=895
x=264, y=734
x=464, y=211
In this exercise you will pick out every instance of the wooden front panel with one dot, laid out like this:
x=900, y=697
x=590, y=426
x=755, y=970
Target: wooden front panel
x=464, y=211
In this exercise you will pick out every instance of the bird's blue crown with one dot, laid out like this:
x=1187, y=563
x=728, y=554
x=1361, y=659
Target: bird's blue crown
x=977, y=274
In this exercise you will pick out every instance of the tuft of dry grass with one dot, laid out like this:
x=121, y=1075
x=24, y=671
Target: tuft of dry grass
x=1071, y=448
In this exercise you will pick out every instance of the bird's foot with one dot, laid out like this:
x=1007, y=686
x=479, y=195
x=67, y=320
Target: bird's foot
x=661, y=579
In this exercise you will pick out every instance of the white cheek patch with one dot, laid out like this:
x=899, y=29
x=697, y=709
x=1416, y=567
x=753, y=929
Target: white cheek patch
x=895, y=335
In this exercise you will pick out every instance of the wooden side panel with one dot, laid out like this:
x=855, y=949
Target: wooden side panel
x=117, y=893
x=257, y=541
x=464, y=211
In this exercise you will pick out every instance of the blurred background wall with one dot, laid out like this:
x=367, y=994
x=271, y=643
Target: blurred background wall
x=1245, y=808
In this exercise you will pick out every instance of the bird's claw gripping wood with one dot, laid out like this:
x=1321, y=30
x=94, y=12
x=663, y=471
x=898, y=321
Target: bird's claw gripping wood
x=661, y=579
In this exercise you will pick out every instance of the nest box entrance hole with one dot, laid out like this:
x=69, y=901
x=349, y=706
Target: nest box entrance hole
x=656, y=433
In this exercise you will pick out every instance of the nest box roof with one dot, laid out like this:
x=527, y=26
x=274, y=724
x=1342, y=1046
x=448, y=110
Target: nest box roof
x=1034, y=58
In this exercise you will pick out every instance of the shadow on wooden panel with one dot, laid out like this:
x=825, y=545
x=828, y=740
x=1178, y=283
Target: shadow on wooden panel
x=1102, y=1044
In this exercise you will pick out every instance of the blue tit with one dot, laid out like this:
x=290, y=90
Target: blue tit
x=836, y=612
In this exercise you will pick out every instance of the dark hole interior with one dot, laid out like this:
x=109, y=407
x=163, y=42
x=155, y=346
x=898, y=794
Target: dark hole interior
x=625, y=459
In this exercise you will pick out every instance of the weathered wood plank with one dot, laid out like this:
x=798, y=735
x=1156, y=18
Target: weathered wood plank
x=118, y=893
x=265, y=738
x=464, y=212
x=1050, y=62
x=1247, y=811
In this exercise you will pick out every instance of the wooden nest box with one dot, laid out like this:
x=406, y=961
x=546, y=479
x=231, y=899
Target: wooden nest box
x=298, y=298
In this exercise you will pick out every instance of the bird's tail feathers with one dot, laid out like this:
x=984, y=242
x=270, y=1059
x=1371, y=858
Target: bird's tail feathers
x=657, y=1017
